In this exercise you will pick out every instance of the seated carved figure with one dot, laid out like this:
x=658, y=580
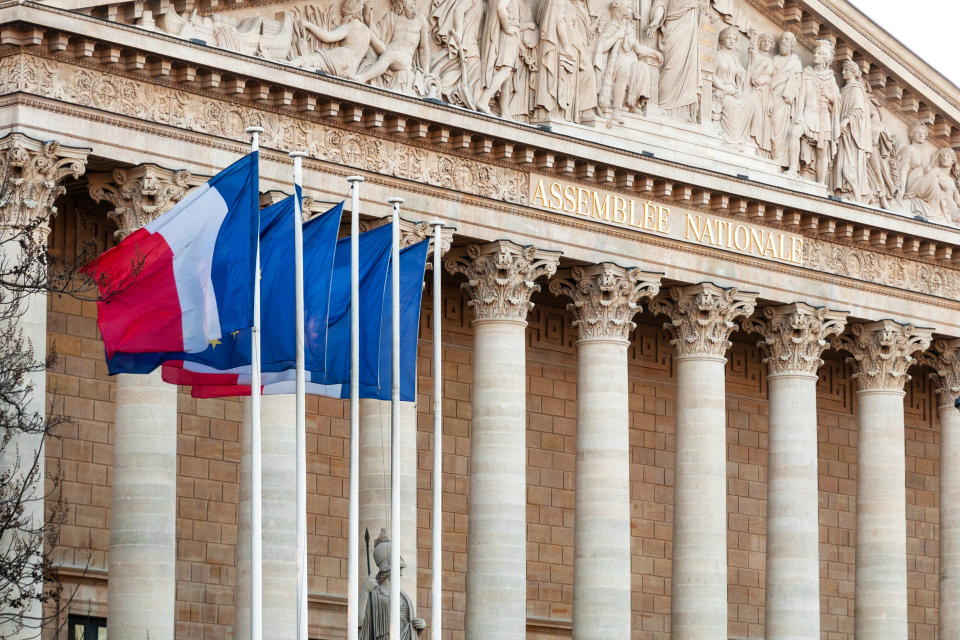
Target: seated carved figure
x=934, y=194
x=406, y=57
x=353, y=36
x=627, y=70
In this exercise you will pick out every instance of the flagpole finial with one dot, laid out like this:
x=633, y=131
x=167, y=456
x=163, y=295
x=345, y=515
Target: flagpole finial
x=254, y=129
x=298, y=154
x=435, y=223
x=395, y=200
x=352, y=179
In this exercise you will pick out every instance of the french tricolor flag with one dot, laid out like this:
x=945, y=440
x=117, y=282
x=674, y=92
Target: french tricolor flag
x=186, y=279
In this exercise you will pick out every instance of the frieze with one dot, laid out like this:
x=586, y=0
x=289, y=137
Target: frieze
x=163, y=105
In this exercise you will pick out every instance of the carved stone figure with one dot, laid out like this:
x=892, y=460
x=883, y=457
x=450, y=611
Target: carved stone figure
x=500, y=53
x=566, y=81
x=785, y=83
x=406, y=55
x=374, y=611
x=854, y=139
x=677, y=25
x=817, y=130
x=625, y=68
x=353, y=37
x=933, y=193
x=455, y=25
x=757, y=105
x=882, y=187
x=523, y=80
x=912, y=159
x=727, y=108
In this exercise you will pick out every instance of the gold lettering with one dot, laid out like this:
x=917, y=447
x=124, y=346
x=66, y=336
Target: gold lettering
x=796, y=250
x=769, y=245
x=663, y=220
x=648, y=213
x=633, y=213
x=697, y=229
x=736, y=238
x=555, y=193
x=756, y=240
x=619, y=210
x=583, y=201
x=538, y=193
x=782, y=238
x=600, y=209
x=708, y=227
x=568, y=195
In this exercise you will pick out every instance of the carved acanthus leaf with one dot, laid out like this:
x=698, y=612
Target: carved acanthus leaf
x=882, y=352
x=32, y=172
x=605, y=298
x=139, y=194
x=944, y=359
x=795, y=335
x=501, y=277
x=702, y=317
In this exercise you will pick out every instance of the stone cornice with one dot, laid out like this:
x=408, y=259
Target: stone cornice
x=125, y=51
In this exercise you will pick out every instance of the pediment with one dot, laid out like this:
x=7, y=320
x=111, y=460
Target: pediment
x=788, y=94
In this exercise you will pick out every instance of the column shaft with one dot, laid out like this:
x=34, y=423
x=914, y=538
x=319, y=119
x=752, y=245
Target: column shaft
x=881, y=573
x=241, y=595
x=375, y=484
x=949, y=521
x=601, y=579
x=496, y=562
x=699, y=597
x=793, y=544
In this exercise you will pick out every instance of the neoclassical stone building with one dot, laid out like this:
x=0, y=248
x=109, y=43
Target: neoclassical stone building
x=700, y=311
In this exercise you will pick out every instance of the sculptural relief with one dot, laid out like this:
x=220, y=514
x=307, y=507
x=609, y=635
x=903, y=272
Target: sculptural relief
x=676, y=24
x=933, y=194
x=729, y=81
x=374, y=610
x=785, y=83
x=455, y=26
x=626, y=70
x=352, y=39
x=854, y=139
x=566, y=79
x=403, y=61
x=758, y=106
x=881, y=179
x=817, y=114
x=501, y=53
x=912, y=160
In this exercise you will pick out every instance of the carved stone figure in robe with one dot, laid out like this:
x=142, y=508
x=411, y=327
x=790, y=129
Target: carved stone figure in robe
x=854, y=138
x=677, y=25
x=933, y=194
x=785, y=83
x=757, y=105
x=374, y=613
x=523, y=80
x=625, y=68
x=455, y=25
x=353, y=37
x=500, y=53
x=882, y=186
x=912, y=160
x=727, y=108
x=819, y=120
x=406, y=55
x=566, y=80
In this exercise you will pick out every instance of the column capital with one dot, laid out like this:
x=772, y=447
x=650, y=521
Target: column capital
x=605, y=298
x=795, y=335
x=413, y=232
x=882, y=352
x=32, y=173
x=702, y=317
x=944, y=359
x=139, y=194
x=500, y=276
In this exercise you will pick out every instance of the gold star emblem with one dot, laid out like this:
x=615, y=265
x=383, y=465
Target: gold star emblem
x=214, y=343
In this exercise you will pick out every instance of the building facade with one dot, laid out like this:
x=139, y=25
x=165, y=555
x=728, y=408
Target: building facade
x=700, y=295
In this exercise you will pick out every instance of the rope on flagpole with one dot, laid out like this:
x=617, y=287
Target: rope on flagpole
x=395, y=423
x=436, y=595
x=256, y=550
x=353, y=521
x=301, y=385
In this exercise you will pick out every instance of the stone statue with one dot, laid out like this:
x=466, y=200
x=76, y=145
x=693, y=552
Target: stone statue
x=758, y=99
x=817, y=110
x=881, y=184
x=523, y=80
x=729, y=79
x=407, y=54
x=500, y=52
x=854, y=137
x=677, y=26
x=374, y=614
x=455, y=25
x=566, y=80
x=785, y=83
x=353, y=38
x=625, y=68
x=933, y=193
x=912, y=160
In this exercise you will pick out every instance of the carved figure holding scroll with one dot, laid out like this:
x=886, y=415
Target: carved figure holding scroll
x=625, y=67
x=912, y=160
x=455, y=25
x=677, y=26
x=817, y=129
x=785, y=84
x=933, y=194
x=410, y=40
x=854, y=137
x=353, y=36
x=374, y=614
x=727, y=108
x=757, y=105
x=500, y=53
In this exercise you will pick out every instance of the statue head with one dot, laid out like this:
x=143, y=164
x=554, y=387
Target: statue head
x=823, y=53
x=407, y=8
x=381, y=556
x=352, y=9
x=765, y=42
x=620, y=10
x=850, y=70
x=946, y=158
x=788, y=42
x=918, y=133
x=729, y=37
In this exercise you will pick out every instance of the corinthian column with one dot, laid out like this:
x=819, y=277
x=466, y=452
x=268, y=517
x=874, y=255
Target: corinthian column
x=375, y=454
x=701, y=321
x=945, y=360
x=32, y=173
x=882, y=353
x=605, y=299
x=141, y=592
x=500, y=279
x=794, y=336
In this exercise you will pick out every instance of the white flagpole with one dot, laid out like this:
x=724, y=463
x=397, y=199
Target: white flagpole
x=353, y=521
x=395, y=425
x=302, y=620
x=256, y=550
x=436, y=595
